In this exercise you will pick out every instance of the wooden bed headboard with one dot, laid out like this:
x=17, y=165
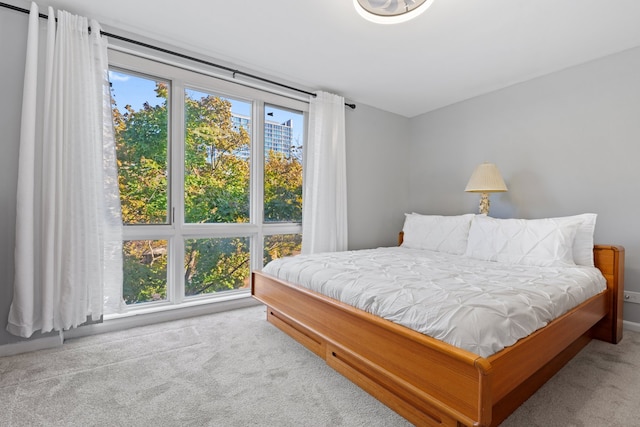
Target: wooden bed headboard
x=610, y=260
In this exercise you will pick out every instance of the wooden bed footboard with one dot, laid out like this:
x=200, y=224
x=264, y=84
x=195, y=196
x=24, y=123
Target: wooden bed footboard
x=391, y=362
x=430, y=382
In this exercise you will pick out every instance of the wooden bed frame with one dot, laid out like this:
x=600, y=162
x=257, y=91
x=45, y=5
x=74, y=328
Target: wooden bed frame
x=430, y=382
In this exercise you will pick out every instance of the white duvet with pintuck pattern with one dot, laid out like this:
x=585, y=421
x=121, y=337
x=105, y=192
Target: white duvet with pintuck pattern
x=480, y=306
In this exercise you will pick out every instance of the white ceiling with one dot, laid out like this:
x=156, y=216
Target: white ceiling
x=458, y=49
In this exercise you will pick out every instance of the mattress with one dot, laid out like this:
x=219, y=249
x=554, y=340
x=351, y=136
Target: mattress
x=480, y=306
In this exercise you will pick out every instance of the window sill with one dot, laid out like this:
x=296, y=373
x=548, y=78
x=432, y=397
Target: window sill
x=157, y=314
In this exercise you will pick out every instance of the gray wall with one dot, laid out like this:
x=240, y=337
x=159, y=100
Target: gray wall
x=13, y=44
x=377, y=175
x=566, y=143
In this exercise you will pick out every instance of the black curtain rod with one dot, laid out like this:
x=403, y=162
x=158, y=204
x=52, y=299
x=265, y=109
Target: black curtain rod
x=183, y=56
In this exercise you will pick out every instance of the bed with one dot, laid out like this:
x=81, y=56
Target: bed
x=431, y=382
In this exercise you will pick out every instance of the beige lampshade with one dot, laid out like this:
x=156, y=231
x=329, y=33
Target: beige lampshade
x=486, y=179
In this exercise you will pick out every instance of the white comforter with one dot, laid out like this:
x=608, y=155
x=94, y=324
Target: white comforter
x=480, y=306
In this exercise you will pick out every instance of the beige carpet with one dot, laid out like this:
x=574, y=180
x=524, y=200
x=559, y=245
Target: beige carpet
x=600, y=387
x=235, y=369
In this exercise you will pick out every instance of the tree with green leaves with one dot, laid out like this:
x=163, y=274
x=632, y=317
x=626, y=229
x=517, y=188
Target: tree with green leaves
x=216, y=191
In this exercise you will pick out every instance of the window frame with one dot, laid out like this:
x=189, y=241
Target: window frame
x=176, y=231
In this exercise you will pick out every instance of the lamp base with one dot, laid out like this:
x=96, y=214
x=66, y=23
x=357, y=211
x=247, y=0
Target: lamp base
x=483, y=209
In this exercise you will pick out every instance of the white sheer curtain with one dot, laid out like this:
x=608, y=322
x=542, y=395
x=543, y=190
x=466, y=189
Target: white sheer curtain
x=324, y=211
x=68, y=226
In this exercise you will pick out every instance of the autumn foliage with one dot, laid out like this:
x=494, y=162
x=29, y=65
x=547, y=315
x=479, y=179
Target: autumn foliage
x=215, y=191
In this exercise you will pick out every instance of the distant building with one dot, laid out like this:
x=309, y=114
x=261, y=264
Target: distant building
x=278, y=137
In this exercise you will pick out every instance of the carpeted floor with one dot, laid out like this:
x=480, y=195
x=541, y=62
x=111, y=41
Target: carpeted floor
x=235, y=369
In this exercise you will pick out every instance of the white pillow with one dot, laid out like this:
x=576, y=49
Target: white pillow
x=436, y=232
x=583, y=242
x=540, y=242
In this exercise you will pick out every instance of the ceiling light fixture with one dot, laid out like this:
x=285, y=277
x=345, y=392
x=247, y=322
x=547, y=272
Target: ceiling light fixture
x=391, y=11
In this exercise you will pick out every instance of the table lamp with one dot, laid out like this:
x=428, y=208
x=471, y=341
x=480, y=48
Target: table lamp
x=485, y=179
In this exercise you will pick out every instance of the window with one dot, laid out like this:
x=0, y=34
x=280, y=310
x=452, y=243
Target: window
x=210, y=176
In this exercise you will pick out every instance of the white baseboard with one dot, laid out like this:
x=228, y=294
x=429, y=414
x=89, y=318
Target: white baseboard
x=31, y=345
x=631, y=326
